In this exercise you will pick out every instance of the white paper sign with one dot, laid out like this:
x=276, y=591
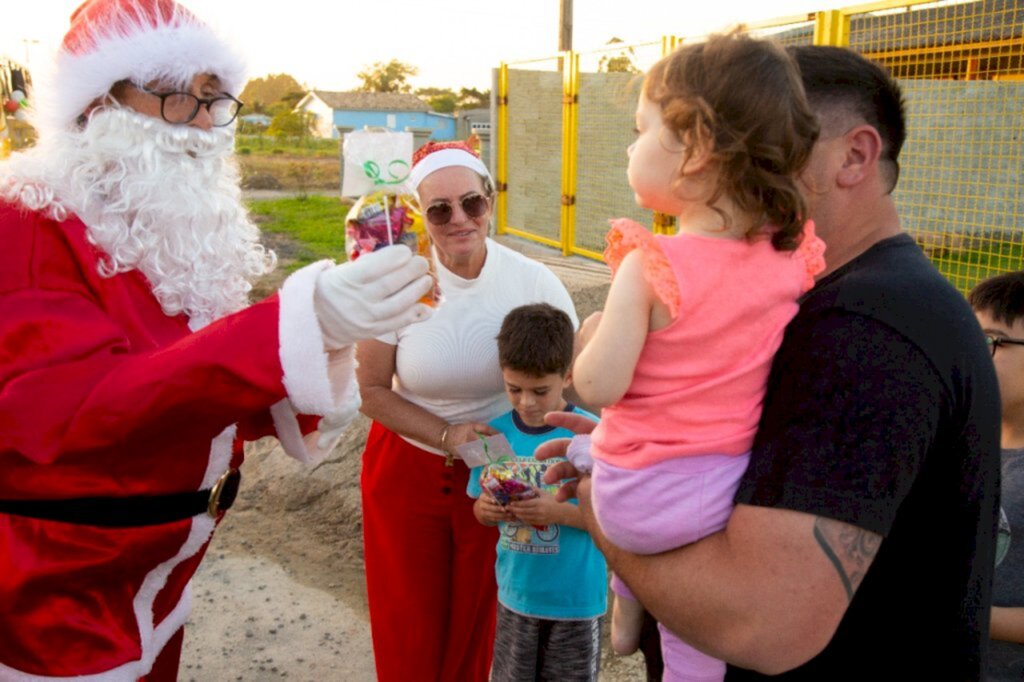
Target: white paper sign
x=376, y=160
x=474, y=454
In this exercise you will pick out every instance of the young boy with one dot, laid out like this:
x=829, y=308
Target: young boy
x=552, y=581
x=999, y=305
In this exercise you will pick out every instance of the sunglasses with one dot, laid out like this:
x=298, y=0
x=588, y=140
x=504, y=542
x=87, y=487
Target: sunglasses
x=473, y=205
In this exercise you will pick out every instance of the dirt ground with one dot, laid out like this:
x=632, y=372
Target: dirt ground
x=281, y=593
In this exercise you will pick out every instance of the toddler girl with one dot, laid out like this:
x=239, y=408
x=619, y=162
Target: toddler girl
x=682, y=351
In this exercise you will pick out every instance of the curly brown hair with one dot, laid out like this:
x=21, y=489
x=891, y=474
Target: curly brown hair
x=741, y=100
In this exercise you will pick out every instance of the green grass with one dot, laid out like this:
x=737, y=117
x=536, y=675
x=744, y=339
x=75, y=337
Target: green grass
x=965, y=267
x=310, y=147
x=316, y=223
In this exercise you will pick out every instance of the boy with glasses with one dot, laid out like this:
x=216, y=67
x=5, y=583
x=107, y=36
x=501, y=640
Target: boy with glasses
x=999, y=305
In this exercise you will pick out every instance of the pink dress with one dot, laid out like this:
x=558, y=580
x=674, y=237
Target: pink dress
x=669, y=455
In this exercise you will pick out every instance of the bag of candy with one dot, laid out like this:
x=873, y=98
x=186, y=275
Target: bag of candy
x=503, y=483
x=377, y=220
x=381, y=219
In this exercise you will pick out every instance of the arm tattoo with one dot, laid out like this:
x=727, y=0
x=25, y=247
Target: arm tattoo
x=850, y=549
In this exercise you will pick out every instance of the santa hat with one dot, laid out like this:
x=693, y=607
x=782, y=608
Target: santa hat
x=434, y=156
x=136, y=40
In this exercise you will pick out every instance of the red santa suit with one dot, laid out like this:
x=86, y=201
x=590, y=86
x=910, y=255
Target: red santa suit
x=104, y=395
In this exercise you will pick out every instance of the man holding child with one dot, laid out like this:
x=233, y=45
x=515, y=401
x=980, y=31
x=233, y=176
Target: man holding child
x=862, y=542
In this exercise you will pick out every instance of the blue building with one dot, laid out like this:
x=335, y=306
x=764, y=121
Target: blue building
x=354, y=110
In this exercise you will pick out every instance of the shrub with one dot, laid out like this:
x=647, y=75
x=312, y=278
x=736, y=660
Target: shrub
x=261, y=181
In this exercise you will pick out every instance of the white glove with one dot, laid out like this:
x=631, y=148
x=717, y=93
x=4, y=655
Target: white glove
x=347, y=400
x=371, y=296
x=333, y=424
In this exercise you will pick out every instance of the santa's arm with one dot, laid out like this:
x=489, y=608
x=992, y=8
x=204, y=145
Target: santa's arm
x=317, y=382
x=72, y=381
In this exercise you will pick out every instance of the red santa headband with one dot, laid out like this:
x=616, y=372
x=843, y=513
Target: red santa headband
x=434, y=156
x=136, y=40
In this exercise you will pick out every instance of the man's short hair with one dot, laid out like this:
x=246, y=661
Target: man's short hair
x=1002, y=297
x=841, y=84
x=536, y=339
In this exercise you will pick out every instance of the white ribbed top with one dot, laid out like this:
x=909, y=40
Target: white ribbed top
x=448, y=365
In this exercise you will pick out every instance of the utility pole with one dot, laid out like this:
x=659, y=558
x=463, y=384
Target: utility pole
x=564, y=25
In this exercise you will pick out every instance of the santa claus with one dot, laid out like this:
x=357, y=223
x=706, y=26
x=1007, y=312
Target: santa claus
x=131, y=365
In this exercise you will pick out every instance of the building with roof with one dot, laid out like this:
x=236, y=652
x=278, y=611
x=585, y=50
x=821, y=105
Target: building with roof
x=338, y=112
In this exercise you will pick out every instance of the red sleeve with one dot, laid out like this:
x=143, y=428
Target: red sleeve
x=71, y=380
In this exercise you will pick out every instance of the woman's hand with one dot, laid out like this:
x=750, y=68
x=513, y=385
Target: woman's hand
x=466, y=432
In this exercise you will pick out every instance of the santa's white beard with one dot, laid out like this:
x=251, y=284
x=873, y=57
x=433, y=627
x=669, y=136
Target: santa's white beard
x=160, y=198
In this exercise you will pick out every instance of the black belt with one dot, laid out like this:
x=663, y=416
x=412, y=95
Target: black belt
x=131, y=512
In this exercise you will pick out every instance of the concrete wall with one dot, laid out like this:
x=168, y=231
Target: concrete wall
x=607, y=102
x=535, y=151
x=962, y=164
x=963, y=159
x=607, y=106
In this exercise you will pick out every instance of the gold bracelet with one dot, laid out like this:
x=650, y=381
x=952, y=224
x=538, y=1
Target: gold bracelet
x=449, y=456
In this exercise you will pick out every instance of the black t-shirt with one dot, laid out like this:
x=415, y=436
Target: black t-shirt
x=882, y=411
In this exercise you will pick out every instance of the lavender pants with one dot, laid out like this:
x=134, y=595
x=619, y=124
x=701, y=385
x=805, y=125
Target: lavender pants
x=668, y=505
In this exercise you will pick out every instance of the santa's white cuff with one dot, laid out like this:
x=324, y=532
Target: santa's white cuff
x=317, y=382
x=303, y=358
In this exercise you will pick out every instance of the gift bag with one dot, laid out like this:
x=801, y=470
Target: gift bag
x=377, y=164
x=501, y=470
x=376, y=160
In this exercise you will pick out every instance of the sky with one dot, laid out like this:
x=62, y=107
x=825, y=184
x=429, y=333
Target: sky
x=453, y=43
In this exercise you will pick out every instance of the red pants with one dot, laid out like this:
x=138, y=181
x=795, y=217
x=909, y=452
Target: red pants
x=429, y=566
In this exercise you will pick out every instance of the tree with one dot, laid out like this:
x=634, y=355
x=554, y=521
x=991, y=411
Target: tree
x=260, y=94
x=471, y=98
x=291, y=124
x=390, y=77
x=441, y=100
x=618, y=63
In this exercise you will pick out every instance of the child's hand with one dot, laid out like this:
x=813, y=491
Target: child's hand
x=542, y=510
x=490, y=513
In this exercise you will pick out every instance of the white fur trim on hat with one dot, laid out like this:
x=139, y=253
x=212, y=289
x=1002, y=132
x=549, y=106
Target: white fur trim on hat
x=446, y=158
x=136, y=40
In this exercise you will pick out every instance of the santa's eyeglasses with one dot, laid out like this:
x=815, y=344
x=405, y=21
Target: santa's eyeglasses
x=182, y=107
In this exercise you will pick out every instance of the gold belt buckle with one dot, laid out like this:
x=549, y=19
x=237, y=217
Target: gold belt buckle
x=223, y=492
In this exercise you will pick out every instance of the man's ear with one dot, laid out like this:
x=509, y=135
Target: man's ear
x=863, y=151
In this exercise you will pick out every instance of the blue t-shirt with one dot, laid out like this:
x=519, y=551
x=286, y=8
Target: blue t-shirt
x=556, y=573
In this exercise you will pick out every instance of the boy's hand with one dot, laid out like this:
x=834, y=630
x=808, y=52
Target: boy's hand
x=541, y=511
x=490, y=513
